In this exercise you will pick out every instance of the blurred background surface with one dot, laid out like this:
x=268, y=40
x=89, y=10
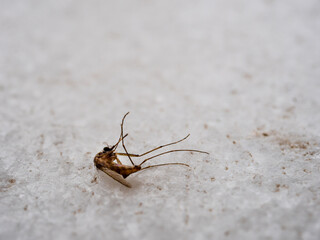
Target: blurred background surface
x=241, y=76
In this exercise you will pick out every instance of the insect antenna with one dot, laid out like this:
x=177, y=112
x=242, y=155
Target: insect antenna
x=176, y=150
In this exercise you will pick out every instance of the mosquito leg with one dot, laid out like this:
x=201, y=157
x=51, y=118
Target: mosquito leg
x=124, y=147
x=129, y=154
x=118, y=161
x=120, y=138
x=177, y=150
x=140, y=155
x=164, y=164
x=165, y=145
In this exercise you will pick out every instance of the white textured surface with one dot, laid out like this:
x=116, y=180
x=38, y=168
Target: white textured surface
x=228, y=72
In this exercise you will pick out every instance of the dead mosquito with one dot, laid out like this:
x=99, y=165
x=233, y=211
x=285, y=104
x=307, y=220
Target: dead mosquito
x=108, y=162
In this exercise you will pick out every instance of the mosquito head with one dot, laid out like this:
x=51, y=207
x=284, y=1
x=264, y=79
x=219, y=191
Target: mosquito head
x=108, y=149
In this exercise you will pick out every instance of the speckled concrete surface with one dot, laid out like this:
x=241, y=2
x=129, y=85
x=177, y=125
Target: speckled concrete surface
x=241, y=76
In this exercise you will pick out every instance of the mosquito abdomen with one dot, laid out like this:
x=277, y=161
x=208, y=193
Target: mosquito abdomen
x=124, y=170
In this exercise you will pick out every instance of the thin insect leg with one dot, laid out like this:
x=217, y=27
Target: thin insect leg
x=124, y=147
x=177, y=150
x=129, y=154
x=164, y=164
x=116, y=145
x=118, y=161
x=165, y=145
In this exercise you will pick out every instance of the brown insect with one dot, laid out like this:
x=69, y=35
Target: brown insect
x=108, y=162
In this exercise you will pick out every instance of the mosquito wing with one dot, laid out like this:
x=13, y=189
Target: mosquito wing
x=116, y=176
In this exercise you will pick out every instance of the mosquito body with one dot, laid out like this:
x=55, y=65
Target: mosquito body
x=108, y=161
x=107, y=158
